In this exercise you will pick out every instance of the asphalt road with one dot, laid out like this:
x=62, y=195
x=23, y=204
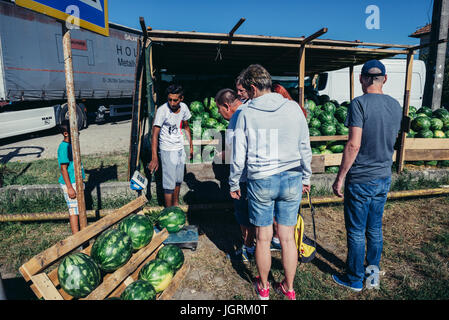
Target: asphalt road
x=113, y=136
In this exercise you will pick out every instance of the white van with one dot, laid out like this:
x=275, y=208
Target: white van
x=335, y=84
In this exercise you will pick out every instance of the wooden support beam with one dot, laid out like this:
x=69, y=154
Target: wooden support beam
x=301, y=75
x=408, y=84
x=314, y=36
x=351, y=83
x=237, y=25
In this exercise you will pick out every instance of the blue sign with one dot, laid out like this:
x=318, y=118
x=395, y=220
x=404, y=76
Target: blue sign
x=87, y=14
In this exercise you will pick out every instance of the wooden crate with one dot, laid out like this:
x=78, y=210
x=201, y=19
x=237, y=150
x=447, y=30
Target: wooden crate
x=46, y=285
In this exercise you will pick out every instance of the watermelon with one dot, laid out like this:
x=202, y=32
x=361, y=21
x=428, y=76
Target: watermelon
x=314, y=123
x=439, y=134
x=209, y=103
x=310, y=106
x=315, y=151
x=345, y=103
x=78, y=274
x=420, y=123
x=445, y=124
x=412, y=115
x=172, y=218
x=196, y=107
x=139, y=228
x=411, y=134
x=112, y=249
x=342, y=130
x=337, y=148
x=444, y=163
x=173, y=255
x=332, y=169
x=329, y=107
x=326, y=151
x=324, y=98
x=139, y=290
x=328, y=129
x=326, y=117
x=436, y=124
x=421, y=115
x=221, y=127
x=158, y=273
x=215, y=114
x=426, y=133
x=210, y=123
x=313, y=132
x=431, y=163
x=446, y=133
x=341, y=114
x=412, y=109
x=426, y=110
x=335, y=102
x=441, y=114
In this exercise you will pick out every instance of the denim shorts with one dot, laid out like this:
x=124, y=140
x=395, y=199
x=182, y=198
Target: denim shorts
x=173, y=163
x=241, y=207
x=277, y=196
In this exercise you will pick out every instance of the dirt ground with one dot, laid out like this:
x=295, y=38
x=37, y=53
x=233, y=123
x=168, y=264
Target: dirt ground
x=408, y=226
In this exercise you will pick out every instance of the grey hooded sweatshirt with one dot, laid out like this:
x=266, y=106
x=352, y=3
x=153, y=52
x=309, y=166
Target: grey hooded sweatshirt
x=271, y=136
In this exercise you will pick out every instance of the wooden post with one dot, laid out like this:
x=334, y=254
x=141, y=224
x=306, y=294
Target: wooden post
x=301, y=75
x=351, y=83
x=408, y=84
x=68, y=66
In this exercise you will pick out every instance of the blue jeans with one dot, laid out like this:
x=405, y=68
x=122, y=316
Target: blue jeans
x=277, y=196
x=363, y=207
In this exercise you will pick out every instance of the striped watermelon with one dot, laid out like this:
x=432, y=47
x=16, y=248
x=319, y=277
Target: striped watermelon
x=172, y=218
x=158, y=273
x=78, y=274
x=139, y=290
x=173, y=255
x=139, y=228
x=112, y=249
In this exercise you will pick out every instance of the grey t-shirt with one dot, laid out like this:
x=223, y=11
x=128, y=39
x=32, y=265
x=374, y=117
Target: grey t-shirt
x=379, y=116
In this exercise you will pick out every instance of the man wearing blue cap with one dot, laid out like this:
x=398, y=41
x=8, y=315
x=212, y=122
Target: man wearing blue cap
x=374, y=120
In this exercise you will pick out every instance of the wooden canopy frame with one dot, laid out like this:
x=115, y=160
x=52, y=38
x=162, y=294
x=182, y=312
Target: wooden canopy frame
x=179, y=52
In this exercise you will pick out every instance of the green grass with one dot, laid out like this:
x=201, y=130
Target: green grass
x=112, y=167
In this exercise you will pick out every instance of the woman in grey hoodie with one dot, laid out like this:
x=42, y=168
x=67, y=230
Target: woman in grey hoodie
x=272, y=141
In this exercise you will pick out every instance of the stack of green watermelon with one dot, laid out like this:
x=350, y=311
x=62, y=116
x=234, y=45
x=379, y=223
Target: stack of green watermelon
x=205, y=116
x=429, y=124
x=327, y=119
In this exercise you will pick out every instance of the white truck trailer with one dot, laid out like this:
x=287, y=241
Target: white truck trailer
x=32, y=79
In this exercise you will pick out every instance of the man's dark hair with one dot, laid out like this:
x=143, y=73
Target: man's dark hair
x=175, y=89
x=64, y=126
x=226, y=96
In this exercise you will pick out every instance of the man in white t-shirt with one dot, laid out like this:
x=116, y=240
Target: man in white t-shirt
x=169, y=126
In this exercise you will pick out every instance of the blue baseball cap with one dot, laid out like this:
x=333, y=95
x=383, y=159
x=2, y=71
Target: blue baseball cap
x=373, y=64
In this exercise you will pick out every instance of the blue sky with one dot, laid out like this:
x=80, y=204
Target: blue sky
x=345, y=19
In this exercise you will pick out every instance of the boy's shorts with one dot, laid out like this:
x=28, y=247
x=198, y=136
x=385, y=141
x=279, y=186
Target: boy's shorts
x=172, y=169
x=72, y=204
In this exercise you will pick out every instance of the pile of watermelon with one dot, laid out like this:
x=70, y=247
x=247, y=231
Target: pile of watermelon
x=326, y=119
x=206, y=123
x=429, y=124
x=79, y=274
x=205, y=116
